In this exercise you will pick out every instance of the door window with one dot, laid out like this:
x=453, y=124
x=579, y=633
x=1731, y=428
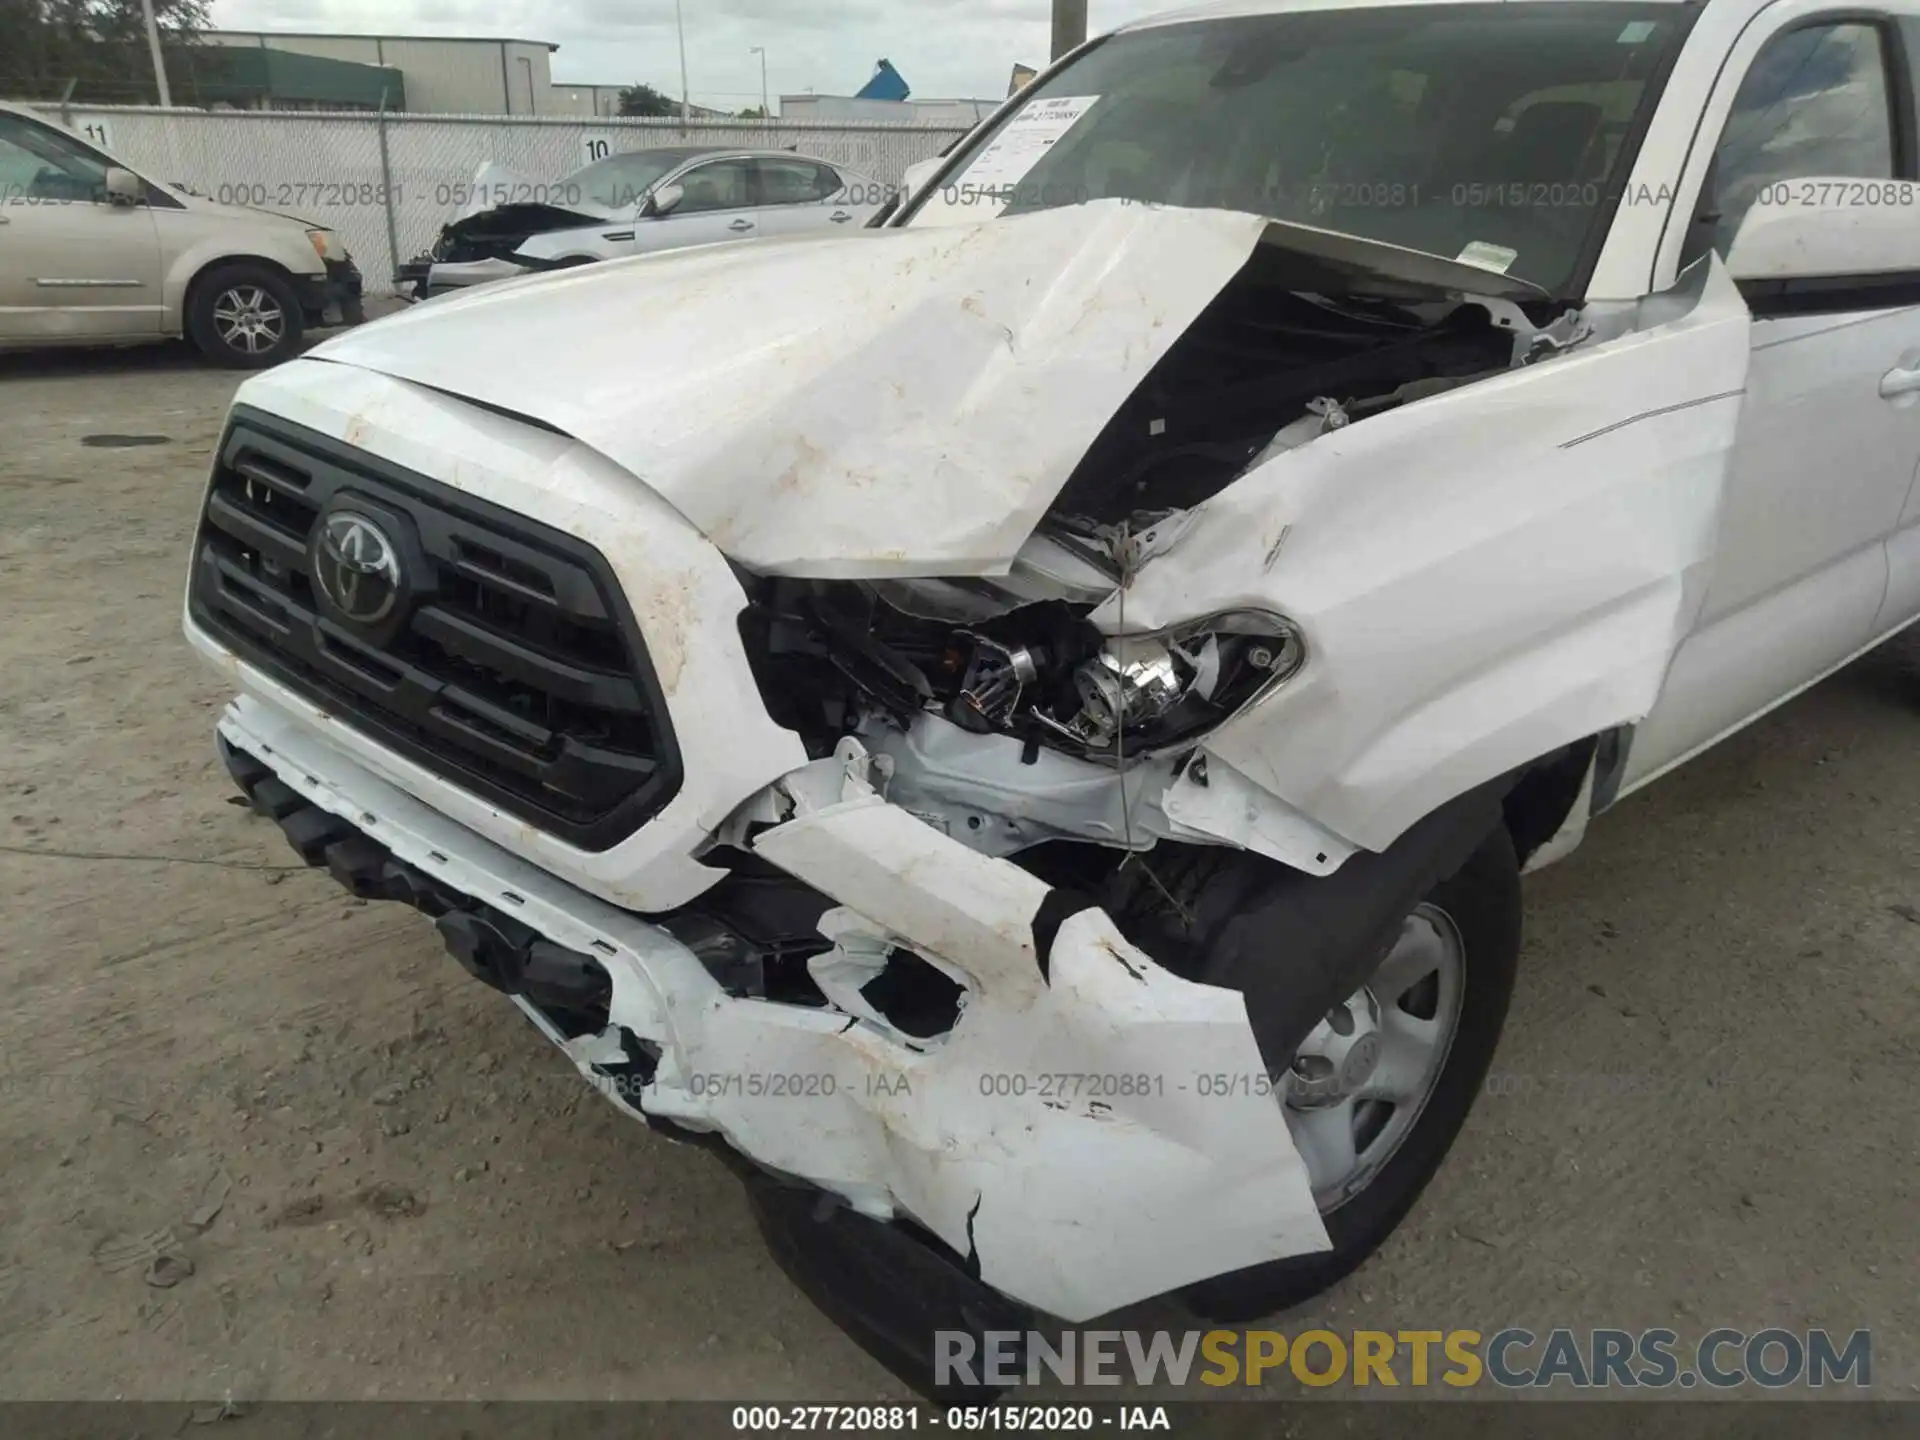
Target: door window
x=1815, y=103
x=796, y=182
x=41, y=164
x=717, y=185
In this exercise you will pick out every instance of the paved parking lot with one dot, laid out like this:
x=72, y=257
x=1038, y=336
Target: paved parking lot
x=386, y=1184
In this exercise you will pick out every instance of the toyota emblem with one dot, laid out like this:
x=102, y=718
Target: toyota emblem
x=357, y=567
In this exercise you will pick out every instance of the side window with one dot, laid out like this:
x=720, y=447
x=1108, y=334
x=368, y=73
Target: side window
x=1910, y=40
x=41, y=164
x=18, y=168
x=796, y=182
x=624, y=180
x=717, y=185
x=1814, y=103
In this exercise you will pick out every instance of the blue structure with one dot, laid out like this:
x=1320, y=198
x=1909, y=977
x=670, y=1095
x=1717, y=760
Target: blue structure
x=887, y=84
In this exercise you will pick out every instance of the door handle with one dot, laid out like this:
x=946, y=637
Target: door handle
x=840, y=217
x=1899, y=384
x=741, y=226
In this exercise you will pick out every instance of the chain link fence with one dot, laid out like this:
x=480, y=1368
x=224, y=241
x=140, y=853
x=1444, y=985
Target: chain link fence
x=387, y=183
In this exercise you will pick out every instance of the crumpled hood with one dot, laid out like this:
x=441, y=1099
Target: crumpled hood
x=495, y=187
x=890, y=402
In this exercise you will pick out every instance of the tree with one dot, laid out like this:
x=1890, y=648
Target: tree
x=645, y=100
x=101, y=45
x=753, y=112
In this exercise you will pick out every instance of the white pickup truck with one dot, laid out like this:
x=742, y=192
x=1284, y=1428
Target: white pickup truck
x=1022, y=725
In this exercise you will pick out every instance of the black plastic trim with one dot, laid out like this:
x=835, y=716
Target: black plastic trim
x=1830, y=294
x=413, y=735
x=892, y=1293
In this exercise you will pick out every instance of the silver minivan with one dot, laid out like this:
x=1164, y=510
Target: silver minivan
x=92, y=252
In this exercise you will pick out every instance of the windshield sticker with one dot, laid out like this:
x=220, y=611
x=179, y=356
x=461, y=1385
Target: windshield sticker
x=1636, y=32
x=1481, y=255
x=1023, y=144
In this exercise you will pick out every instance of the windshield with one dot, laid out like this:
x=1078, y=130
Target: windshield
x=620, y=182
x=1486, y=133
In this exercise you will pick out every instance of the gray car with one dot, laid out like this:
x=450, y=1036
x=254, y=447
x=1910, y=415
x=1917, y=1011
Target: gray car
x=635, y=204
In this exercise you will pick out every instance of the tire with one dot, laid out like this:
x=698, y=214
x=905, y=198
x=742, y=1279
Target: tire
x=1481, y=901
x=245, y=317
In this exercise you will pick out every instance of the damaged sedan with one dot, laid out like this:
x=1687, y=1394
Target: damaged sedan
x=1020, y=726
x=638, y=203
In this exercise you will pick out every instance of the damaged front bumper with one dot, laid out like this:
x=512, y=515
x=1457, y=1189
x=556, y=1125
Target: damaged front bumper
x=424, y=277
x=1089, y=1133
x=335, y=298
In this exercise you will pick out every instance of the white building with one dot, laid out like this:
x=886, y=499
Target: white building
x=586, y=99
x=846, y=109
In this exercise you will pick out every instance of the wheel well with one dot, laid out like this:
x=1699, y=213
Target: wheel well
x=1542, y=799
x=200, y=276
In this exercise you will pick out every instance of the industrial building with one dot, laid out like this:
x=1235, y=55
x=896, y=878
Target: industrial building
x=605, y=100
x=439, y=75
x=427, y=74
x=885, y=99
x=851, y=110
x=249, y=78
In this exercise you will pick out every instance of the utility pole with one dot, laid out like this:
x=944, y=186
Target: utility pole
x=1069, y=25
x=766, y=105
x=686, y=95
x=159, y=61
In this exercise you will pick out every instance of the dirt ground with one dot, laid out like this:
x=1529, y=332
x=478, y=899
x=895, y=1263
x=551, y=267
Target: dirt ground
x=388, y=1185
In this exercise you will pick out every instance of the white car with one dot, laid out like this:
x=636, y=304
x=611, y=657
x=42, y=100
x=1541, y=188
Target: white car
x=635, y=204
x=1023, y=725
x=93, y=253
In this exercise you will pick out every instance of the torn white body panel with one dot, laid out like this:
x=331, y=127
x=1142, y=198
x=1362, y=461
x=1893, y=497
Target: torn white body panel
x=1067, y=1118
x=1469, y=609
x=986, y=791
x=890, y=402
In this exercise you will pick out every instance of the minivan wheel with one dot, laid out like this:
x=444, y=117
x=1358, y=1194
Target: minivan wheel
x=245, y=317
x=1378, y=1091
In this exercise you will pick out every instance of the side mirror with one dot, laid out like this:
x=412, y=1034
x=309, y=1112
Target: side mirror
x=123, y=187
x=666, y=200
x=1820, y=227
x=917, y=176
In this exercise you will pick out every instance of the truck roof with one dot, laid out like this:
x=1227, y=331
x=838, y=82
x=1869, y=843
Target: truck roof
x=1226, y=9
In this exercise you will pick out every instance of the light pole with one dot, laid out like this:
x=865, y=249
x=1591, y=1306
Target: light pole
x=686, y=95
x=159, y=60
x=1069, y=25
x=766, y=104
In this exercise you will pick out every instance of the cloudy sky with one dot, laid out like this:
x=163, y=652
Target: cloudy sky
x=945, y=48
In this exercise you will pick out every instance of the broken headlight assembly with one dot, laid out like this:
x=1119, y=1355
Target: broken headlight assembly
x=829, y=655
x=1130, y=694
x=1142, y=694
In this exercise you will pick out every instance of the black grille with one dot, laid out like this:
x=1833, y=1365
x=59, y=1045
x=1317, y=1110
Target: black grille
x=518, y=673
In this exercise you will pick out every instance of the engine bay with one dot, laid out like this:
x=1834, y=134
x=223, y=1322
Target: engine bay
x=1272, y=363
x=497, y=234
